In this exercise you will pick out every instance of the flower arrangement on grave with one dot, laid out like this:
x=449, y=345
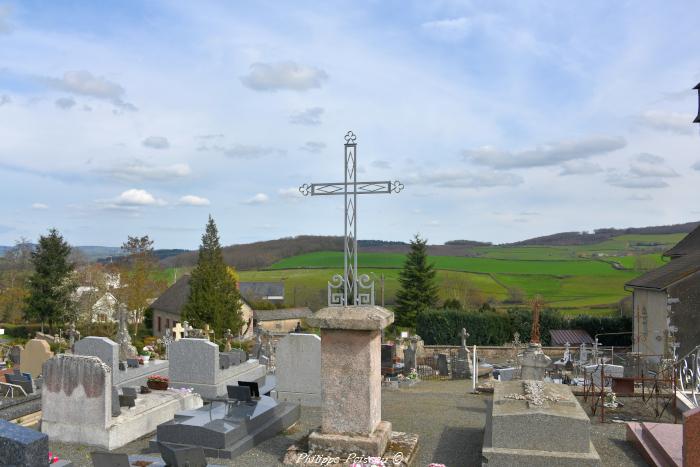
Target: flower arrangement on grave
x=611, y=400
x=413, y=374
x=52, y=459
x=158, y=382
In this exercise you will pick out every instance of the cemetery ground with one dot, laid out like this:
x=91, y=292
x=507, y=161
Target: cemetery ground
x=449, y=421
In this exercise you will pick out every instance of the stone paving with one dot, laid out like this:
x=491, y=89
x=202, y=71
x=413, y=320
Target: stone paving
x=449, y=421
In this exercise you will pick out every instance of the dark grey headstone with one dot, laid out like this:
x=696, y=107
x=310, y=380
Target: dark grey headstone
x=14, y=354
x=22, y=447
x=409, y=359
x=225, y=360
x=388, y=354
x=442, y=364
x=132, y=362
x=127, y=401
x=239, y=393
x=182, y=457
x=110, y=459
x=239, y=356
x=130, y=391
x=116, y=408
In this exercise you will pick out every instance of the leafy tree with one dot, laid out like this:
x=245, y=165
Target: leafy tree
x=214, y=298
x=52, y=284
x=139, y=283
x=418, y=289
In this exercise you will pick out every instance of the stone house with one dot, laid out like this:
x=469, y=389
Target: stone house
x=666, y=303
x=282, y=320
x=167, y=308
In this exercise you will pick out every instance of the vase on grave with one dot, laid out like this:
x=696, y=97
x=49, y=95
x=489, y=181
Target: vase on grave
x=158, y=383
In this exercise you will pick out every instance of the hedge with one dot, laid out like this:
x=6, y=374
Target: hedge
x=491, y=327
x=24, y=331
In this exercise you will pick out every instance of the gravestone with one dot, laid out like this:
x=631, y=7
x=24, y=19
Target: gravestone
x=596, y=372
x=534, y=363
x=532, y=423
x=22, y=447
x=15, y=354
x=35, y=353
x=101, y=347
x=462, y=363
x=442, y=365
x=299, y=369
x=409, y=357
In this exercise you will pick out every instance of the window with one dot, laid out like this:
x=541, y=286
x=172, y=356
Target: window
x=159, y=328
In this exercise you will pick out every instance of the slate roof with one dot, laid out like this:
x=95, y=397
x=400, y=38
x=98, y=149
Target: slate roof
x=283, y=313
x=667, y=275
x=572, y=336
x=689, y=244
x=175, y=297
x=261, y=290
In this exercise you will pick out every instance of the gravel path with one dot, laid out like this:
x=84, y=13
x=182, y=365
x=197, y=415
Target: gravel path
x=449, y=421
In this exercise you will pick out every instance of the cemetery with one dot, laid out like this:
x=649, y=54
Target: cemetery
x=341, y=391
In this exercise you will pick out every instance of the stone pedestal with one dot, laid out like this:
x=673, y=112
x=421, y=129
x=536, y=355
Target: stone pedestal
x=534, y=363
x=351, y=381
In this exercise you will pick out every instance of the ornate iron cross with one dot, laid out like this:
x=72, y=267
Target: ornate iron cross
x=351, y=288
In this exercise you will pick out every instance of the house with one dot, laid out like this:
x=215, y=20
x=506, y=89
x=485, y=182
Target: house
x=666, y=303
x=167, y=308
x=282, y=320
x=575, y=337
x=105, y=309
x=258, y=291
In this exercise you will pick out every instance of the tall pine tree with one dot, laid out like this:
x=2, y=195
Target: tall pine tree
x=52, y=284
x=214, y=298
x=418, y=290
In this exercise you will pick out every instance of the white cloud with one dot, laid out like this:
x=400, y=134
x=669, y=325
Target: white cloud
x=661, y=120
x=313, y=147
x=156, y=142
x=65, y=103
x=283, y=76
x=451, y=29
x=378, y=164
x=696, y=166
x=40, y=206
x=5, y=99
x=192, y=200
x=290, y=193
x=310, y=116
x=138, y=197
x=138, y=170
x=546, y=154
x=243, y=151
x=464, y=179
x=627, y=181
x=5, y=26
x=580, y=167
x=260, y=198
x=640, y=197
x=651, y=165
x=86, y=84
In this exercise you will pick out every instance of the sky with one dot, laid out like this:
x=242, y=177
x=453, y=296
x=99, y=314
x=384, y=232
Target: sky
x=503, y=120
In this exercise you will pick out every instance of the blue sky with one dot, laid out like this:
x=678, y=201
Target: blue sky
x=504, y=120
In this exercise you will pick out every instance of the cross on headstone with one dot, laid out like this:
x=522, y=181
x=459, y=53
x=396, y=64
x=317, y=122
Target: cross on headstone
x=178, y=331
x=345, y=290
x=166, y=340
x=207, y=332
x=464, y=335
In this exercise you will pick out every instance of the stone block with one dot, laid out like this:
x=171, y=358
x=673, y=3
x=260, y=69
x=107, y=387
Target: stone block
x=594, y=372
x=298, y=369
x=194, y=360
x=101, y=347
x=22, y=447
x=373, y=444
x=691, y=438
x=33, y=356
x=358, y=318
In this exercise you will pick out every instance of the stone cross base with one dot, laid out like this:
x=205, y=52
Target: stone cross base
x=534, y=363
x=351, y=381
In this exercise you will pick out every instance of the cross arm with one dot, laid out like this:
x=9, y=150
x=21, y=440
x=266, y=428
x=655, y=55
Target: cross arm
x=351, y=188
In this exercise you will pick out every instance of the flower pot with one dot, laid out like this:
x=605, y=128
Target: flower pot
x=145, y=358
x=157, y=385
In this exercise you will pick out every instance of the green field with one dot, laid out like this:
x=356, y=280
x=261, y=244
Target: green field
x=585, y=279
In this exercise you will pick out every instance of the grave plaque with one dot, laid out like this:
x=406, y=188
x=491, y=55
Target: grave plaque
x=22, y=447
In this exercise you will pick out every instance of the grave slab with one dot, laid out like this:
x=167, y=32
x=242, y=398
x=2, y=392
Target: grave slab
x=299, y=369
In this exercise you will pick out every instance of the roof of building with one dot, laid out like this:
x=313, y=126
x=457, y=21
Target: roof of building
x=689, y=244
x=261, y=290
x=282, y=314
x=572, y=336
x=668, y=274
x=174, y=297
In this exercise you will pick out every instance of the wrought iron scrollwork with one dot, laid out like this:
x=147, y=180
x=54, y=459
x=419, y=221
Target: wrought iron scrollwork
x=365, y=290
x=688, y=377
x=336, y=288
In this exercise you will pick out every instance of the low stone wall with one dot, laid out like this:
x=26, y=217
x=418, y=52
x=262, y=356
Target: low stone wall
x=502, y=353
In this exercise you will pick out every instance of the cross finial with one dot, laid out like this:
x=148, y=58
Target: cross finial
x=350, y=138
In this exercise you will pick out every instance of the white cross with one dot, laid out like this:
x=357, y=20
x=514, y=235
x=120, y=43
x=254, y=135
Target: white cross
x=178, y=332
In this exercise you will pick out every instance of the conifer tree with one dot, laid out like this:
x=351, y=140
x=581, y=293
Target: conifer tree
x=214, y=298
x=418, y=290
x=52, y=284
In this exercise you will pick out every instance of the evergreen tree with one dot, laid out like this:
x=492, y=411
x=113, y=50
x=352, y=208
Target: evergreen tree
x=214, y=298
x=418, y=290
x=52, y=283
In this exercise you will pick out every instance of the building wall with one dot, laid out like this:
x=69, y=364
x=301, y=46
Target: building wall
x=650, y=322
x=686, y=314
x=169, y=320
x=280, y=325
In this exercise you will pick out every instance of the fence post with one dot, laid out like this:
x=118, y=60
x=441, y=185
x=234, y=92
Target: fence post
x=474, y=370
